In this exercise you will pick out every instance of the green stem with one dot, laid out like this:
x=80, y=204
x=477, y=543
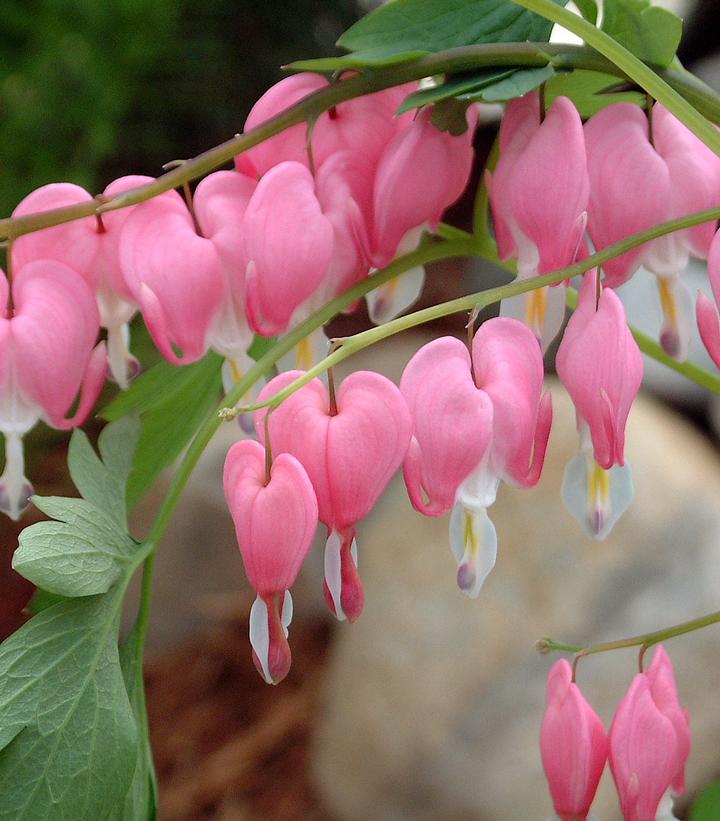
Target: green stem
x=634, y=68
x=649, y=346
x=481, y=300
x=645, y=640
x=452, y=61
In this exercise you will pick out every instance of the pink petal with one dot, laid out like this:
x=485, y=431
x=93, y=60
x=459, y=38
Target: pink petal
x=174, y=274
x=573, y=744
x=75, y=243
x=509, y=368
x=601, y=387
x=708, y=323
x=275, y=522
x=630, y=185
x=452, y=424
x=288, y=245
x=54, y=330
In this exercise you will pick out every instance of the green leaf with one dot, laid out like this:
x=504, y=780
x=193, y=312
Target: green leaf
x=81, y=554
x=588, y=91
x=140, y=803
x=649, y=32
x=172, y=401
x=42, y=599
x=453, y=87
x=328, y=65
x=415, y=27
x=68, y=740
x=519, y=82
x=103, y=482
x=588, y=9
x=707, y=804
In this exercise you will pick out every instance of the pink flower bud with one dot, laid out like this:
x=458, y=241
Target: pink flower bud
x=275, y=521
x=350, y=454
x=573, y=745
x=649, y=742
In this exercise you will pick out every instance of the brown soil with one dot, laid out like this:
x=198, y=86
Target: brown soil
x=227, y=746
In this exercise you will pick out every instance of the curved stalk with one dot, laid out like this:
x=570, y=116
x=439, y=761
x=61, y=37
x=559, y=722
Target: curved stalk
x=452, y=61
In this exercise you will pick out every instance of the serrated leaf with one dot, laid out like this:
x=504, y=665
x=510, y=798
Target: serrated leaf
x=434, y=25
x=103, y=482
x=650, y=32
x=173, y=402
x=707, y=805
x=68, y=741
x=140, y=802
x=82, y=554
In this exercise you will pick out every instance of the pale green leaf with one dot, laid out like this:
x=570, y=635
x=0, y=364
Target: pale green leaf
x=707, y=805
x=68, y=738
x=650, y=32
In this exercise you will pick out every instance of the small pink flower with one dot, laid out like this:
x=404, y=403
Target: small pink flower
x=48, y=353
x=275, y=522
x=600, y=365
x=649, y=742
x=363, y=125
x=350, y=454
x=175, y=274
x=539, y=198
x=573, y=745
x=89, y=246
x=644, y=172
x=476, y=421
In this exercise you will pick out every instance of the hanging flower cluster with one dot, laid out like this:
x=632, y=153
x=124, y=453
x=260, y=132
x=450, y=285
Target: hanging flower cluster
x=301, y=218
x=648, y=744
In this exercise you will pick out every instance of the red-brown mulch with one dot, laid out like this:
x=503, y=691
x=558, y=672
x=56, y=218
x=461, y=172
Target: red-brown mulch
x=227, y=746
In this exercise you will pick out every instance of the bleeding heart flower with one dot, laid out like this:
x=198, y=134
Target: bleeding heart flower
x=476, y=421
x=48, y=354
x=175, y=275
x=89, y=246
x=573, y=745
x=706, y=313
x=644, y=172
x=350, y=450
x=539, y=199
x=600, y=365
x=275, y=517
x=649, y=743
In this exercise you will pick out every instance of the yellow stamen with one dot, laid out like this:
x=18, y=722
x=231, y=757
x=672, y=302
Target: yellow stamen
x=304, y=355
x=471, y=540
x=235, y=372
x=535, y=308
x=667, y=300
x=598, y=487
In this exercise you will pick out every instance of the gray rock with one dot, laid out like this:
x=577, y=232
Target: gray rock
x=433, y=702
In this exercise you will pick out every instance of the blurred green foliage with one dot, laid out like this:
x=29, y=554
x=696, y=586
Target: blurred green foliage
x=91, y=90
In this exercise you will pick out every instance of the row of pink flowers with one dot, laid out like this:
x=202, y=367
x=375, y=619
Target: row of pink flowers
x=648, y=744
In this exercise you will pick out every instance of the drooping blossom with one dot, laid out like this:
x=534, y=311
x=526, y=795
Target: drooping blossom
x=90, y=246
x=476, y=421
x=48, y=354
x=539, y=199
x=275, y=519
x=644, y=172
x=650, y=743
x=350, y=449
x=573, y=745
x=363, y=125
x=601, y=367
